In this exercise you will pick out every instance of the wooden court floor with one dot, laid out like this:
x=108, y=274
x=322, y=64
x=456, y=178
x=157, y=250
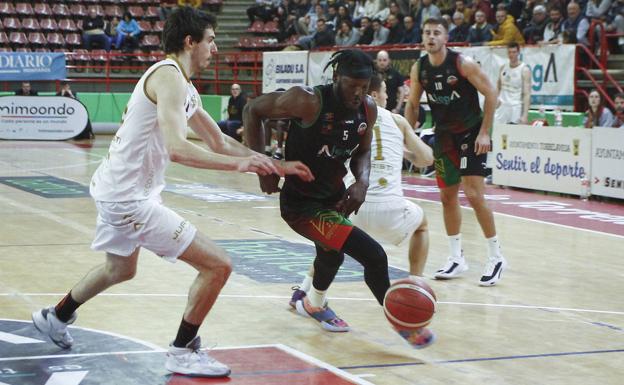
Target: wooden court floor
x=556, y=318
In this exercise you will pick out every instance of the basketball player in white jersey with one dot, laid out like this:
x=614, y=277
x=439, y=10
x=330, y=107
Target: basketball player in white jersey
x=385, y=213
x=514, y=89
x=126, y=188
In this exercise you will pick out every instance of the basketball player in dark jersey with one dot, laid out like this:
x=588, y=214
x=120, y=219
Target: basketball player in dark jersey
x=462, y=141
x=330, y=124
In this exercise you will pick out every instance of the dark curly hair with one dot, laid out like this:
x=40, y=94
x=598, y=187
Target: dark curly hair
x=354, y=63
x=183, y=22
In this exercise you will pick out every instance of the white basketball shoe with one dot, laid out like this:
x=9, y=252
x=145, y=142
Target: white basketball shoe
x=453, y=268
x=194, y=362
x=46, y=322
x=493, y=270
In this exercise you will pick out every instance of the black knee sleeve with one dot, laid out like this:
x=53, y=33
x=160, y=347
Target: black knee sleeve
x=326, y=266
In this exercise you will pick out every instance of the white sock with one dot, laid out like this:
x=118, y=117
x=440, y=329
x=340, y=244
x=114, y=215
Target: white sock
x=493, y=247
x=306, y=284
x=317, y=297
x=267, y=148
x=278, y=150
x=455, y=245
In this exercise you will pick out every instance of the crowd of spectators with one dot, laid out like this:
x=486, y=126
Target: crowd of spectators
x=477, y=22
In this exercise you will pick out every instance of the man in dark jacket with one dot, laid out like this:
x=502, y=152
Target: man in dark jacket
x=26, y=90
x=232, y=125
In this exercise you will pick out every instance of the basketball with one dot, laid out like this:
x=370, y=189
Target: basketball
x=409, y=304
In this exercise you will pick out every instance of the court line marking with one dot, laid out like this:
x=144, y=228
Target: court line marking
x=526, y=219
x=280, y=297
x=501, y=358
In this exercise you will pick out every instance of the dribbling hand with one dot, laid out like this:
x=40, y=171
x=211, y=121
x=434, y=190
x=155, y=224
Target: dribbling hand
x=269, y=184
x=352, y=199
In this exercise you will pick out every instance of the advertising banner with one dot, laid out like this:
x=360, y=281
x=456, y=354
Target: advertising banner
x=284, y=70
x=608, y=162
x=32, y=66
x=552, y=71
x=41, y=117
x=556, y=159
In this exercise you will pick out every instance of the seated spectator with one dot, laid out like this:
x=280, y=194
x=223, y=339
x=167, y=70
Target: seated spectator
x=93, y=31
x=366, y=31
x=598, y=10
x=343, y=14
x=323, y=37
x=459, y=33
x=484, y=6
x=331, y=20
x=616, y=22
x=553, y=29
x=412, y=32
x=262, y=10
x=166, y=7
x=26, y=90
x=111, y=29
x=575, y=27
x=460, y=6
x=480, y=32
x=395, y=10
x=618, y=122
x=396, y=30
x=505, y=31
x=534, y=31
x=357, y=11
x=234, y=122
x=426, y=10
x=347, y=35
x=87, y=132
x=597, y=115
x=128, y=32
x=380, y=33
x=307, y=23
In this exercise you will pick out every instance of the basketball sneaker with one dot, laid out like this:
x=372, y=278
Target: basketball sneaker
x=493, y=270
x=297, y=295
x=419, y=338
x=324, y=315
x=454, y=267
x=47, y=323
x=194, y=362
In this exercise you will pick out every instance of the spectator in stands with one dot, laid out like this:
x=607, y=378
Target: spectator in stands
x=426, y=10
x=534, y=31
x=111, y=29
x=66, y=91
x=307, y=24
x=598, y=10
x=553, y=29
x=484, y=6
x=597, y=115
x=616, y=22
x=232, y=125
x=190, y=3
x=459, y=33
x=93, y=31
x=166, y=7
x=357, y=11
x=395, y=10
x=331, y=20
x=505, y=31
x=619, y=111
x=128, y=32
x=347, y=35
x=366, y=31
x=575, y=27
x=373, y=7
x=481, y=31
x=460, y=6
x=445, y=6
x=343, y=14
x=26, y=90
x=323, y=37
x=396, y=30
x=380, y=33
x=412, y=32
x=262, y=10
x=394, y=82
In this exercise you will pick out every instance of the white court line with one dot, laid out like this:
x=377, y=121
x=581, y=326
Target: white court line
x=324, y=365
x=528, y=219
x=535, y=307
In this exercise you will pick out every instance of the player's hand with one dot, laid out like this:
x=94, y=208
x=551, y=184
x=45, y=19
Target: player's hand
x=483, y=143
x=269, y=183
x=352, y=199
x=294, y=168
x=260, y=164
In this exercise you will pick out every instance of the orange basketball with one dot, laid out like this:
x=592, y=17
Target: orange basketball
x=409, y=304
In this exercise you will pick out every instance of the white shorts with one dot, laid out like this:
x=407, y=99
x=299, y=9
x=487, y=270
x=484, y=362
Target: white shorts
x=393, y=221
x=124, y=226
x=508, y=114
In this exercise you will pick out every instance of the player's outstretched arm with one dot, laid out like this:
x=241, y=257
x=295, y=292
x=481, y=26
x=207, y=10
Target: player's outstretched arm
x=479, y=79
x=167, y=88
x=413, y=102
x=418, y=152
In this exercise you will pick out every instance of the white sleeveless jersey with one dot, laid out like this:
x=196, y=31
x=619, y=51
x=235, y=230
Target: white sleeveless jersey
x=134, y=168
x=511, y=84
x=386, y=158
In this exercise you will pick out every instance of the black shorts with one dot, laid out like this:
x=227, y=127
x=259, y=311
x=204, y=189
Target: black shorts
x=455, y=157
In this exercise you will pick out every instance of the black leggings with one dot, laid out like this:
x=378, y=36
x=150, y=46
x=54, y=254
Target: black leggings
x=364, y=249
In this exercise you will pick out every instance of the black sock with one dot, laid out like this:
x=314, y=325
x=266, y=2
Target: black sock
x=66, y=308
x=186, y=333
